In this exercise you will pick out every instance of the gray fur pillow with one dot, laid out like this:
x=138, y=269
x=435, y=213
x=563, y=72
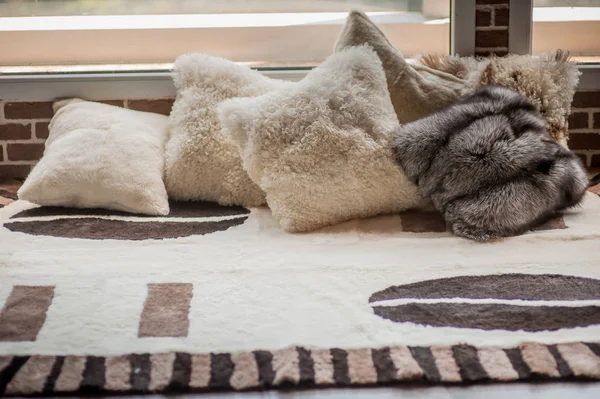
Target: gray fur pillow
x=489, y=165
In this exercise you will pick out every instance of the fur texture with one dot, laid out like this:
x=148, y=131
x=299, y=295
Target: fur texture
x=201, y=163
x=434, y=82
x=416, y=91
x=548, y=81
x=489, y=165
x=101, y=156
x=321, y=148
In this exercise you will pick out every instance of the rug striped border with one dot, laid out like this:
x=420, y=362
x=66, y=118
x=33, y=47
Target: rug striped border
x=295, y=367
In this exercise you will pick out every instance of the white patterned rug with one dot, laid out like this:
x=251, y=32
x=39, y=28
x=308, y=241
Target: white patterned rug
x=221, y=298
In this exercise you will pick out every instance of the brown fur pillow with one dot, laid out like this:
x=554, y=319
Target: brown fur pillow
x=548, y=81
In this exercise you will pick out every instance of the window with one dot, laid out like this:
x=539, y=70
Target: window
x=267, y=33
x=567, y=24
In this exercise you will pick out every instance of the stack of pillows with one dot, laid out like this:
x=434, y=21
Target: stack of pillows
x=317, y=152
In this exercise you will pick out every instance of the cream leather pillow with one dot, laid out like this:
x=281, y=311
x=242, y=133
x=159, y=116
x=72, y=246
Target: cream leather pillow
x=101, y=156
x=416, y=90
x=201, y=163
x=320, y=148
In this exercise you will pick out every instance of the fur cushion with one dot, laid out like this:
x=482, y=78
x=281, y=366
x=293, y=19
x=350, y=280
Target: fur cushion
x=489, y=165
x=201, y=163
x=431, y=83
x=547, y=81
x=416, y=90
x=321, y=148
x=101, y=156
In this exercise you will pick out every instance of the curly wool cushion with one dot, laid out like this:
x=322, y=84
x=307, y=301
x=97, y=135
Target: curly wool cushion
x=321, y=148
x=548, y=81
x=101, y=156
x=416, y=90
x=201, y=163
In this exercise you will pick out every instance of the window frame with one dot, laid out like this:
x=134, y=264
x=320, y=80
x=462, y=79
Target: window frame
x=158, y=83
x=98, y=85
x=521, y=31
x=281, y=39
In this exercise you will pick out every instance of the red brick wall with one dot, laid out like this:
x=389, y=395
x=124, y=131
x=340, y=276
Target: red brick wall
x=491, y=27
x=584, y=127
x=24, y=128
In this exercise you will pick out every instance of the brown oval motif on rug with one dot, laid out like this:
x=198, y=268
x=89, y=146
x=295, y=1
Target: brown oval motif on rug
x=101, y=224
x=493, y=302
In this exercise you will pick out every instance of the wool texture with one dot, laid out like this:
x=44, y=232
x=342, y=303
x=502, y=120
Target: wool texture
x=101, y=156
x=548, y=81
x=321, y=148
x=201, y=163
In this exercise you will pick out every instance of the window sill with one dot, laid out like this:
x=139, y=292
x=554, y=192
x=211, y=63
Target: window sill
x=152, y=83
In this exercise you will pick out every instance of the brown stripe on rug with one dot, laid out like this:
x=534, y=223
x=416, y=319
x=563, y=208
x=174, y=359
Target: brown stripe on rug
x=221, y=370
x=24, y=312
x=582, y=361
x=361, y=368
x=468, y=362
x=182, y=371
x=446, y=364
x=177, y=210
x=496, y=364
x=498, y=286
x=118, y=373
x=177, y=372
x=9, y=367
x=245, y=371
x=31, y=377
x=306, y=366
x=414, y=221
x=539, y=360
x=422, y=222
x=141, y=369
x=594, y=347
x=492, y=316
x=103, y=229
x=562, y=366
x=556, y=222
x=200, y=376
x=516, y=359
x=49, y=386
x=405, y=364
x=323, y=366
x=93, y=377
x=425, y=360
x=339, y=358
x=286, y=366
x=161, y=371
x=384, y=366
x=71, y=373
x=166, y=310
x=264, y=362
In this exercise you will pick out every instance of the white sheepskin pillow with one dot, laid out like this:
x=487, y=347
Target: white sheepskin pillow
x=320, y=148
x=101, y=156
x=201, y=163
